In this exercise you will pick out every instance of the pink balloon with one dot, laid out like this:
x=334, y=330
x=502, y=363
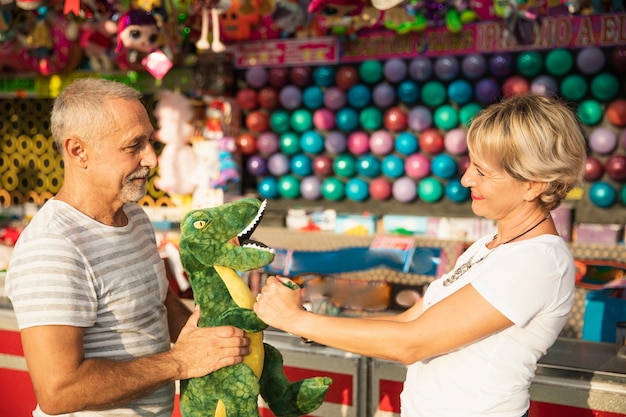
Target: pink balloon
x=324, y=119
x=267, y=143
x=381, y=142
x=602, y=140
x=358, y=143
x=417, y=166
x=455, y=141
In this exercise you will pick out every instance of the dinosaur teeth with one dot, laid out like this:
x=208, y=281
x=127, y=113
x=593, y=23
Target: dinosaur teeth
x=253, y=224
x=258, y=246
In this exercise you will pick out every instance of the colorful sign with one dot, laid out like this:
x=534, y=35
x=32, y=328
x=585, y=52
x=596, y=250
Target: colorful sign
x=271, y=53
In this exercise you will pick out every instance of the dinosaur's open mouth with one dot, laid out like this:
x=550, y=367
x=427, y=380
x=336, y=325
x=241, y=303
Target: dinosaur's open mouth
x=244, y=236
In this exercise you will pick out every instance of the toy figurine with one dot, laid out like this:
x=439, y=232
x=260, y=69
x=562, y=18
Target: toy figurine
x=137, y=37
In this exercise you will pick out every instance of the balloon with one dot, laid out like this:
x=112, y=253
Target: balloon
x=301, y=165
x=324, y=76
x=463, y=164
x=420, y=118
x=358, y=143
x=559, y=62
x=420, y=69
x=455, y=141
x=267, y=143
x=301, y=120
x=256, y=77
x=289, y=143
x=602, y=194
x=335, y=142
x=446, y=68
x=590, y=112
x=443, y=166
x=394, y=70
x=574, y=87
x=622, y=195
x=312, y=142
x=501, y=65
x=256, y=165
x=467, y=113
x=590, y=60
x=289, y=187
x=257, y=121
x=605, y=86
x=278, y=164
x=431, y=141
x=602, y=140
x=347, y=119
x=446, y=117
x=310, y=188
x=593, y=169
x=380, y=189
x=618, y=59
x=371, y=71
x=334, y=98
x=406, y=143
x=346, y=76
x=357, y=189
x=404, y=190
x=460, y=92
x=417, y=166
x=300, y=76
x=487, y=91
x=313, y=97
x=408, y=92
x=544, y=85
x=622, y=138
x=323, y=119
x=345, y=165
x=616, y=113
x=279, y=121
x=433, y=93
x=529, y=63
x=268, y=98
x=246, y=143
x=246, y=98
x=333, y=189
x=392, y=166
x=455, y=191
x=359, y=96
x=514, y=86
x=371, y=118
x=473, y=66
x=395, y=119
x=383, y=95
x=615, y=167
x=290, y=97
x=278, y=76
x=430, y=190
x=368, y=166
x=322, y=166
x=381, y=142
x=268, y=188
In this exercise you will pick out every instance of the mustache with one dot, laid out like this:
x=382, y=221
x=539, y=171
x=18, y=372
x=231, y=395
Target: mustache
x=141, y=174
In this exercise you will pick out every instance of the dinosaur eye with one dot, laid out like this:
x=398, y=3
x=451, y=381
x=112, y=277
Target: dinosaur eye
x=199, y=224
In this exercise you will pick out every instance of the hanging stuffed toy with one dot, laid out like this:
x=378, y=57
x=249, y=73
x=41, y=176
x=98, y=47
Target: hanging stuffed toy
x=211, y=261
x=210, y=11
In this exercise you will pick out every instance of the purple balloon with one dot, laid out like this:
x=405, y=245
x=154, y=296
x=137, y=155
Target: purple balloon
x=420, y=69
x=290, y=97
x=487, y=90
x=446, y=68
x=417, y=166
x=404, y=189
x=278, y=164
x=256, y=165
x=455, y=141
x=384, y=95
x=473, y=66
x=334, y=98
x=394, y=70
x=335, y=142
x=602, y=140
x=256, y=77
x=590, y=60
x=501, y=65
x=622, y=138
x=311, y=188
x=267, y=143
x=420, y=118
x=544, y=85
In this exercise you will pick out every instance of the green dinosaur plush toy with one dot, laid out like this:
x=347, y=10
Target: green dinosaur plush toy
x=211, y=258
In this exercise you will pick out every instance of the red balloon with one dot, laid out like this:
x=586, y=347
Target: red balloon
x=616, y=112
x=268, y=98
x=431, y=141
x=593, y=169
x=515, y=85
x=301, y=76
x=247, y=99
x=278, y=77
x=463, y=164
x=322, y=166
x=246, y=143
x=615, y=167
x=395, y=119
x=380, y=189
x=257, y=121
x=346, y=76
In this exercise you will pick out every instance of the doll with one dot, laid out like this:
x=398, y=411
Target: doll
x=137, y=37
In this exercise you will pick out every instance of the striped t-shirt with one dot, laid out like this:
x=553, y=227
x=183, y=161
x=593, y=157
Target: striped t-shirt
x=68, y=269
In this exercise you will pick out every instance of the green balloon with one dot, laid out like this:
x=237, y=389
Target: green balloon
x=622, y=195
x=333, y=189
x=590, y=112
x=371, y=118
x=430, y=190
x=289, y=186
x=279, y=121
x=345, y=165
x=371, y=71
x=467, y=113
x=446, y=117
x=604, y=86
x=434, y=93
x=574, y=87
x=559, y=62
x=301, y=120
x=289, y=143
x=529, y=63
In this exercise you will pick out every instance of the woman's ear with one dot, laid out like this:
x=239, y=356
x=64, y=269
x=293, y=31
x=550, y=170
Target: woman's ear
x=535, y=189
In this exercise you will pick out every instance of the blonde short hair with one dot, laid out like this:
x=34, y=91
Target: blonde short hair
x=533, y=138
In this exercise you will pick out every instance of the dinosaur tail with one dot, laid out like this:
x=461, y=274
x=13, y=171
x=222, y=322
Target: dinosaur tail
x=289, y=399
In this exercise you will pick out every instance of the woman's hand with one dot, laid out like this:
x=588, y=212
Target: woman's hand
x=279, y=303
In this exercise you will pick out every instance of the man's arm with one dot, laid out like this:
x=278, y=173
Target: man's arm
x=177, y=314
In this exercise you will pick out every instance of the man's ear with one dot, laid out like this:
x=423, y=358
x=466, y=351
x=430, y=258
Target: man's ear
x=75, y=151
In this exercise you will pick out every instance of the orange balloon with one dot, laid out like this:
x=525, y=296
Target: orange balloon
x=246, y=143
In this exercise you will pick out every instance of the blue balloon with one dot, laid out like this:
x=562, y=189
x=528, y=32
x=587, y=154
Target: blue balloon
x=393, y=166
x=456, y=192
x=443, y=166
x=359, y=96
x=447, y=68
x=602, y=194
x=408, y=92
x=268, y=188
x=301, y=165
x=368, y=166
x=406, y=143
x=313, y=97
x=473, y=66
x=324, y=76
x=460, y=92
x=312, y=142
x=357, y=189
x=347, y=119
